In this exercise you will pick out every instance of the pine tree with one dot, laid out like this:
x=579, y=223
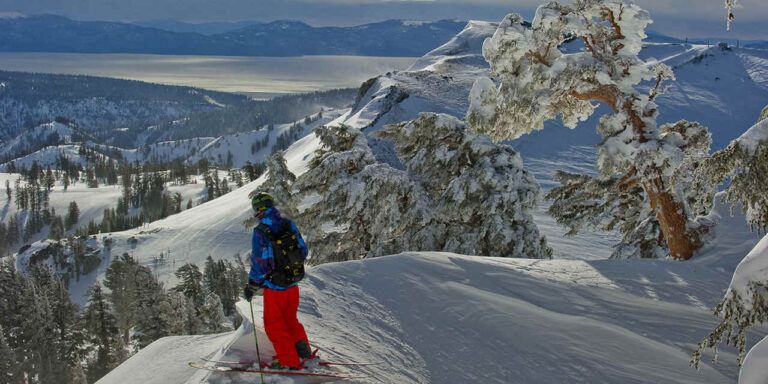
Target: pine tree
x=212, y=314
x=191, y=284
x=120, y=278
x=44, y=323
x=8, y=364
x=539, y=82
x=460, y=192
x=743, y=164
x=150, y=308
x=101, y=330
x=73, y=215
x=57, y=228
x=50, y=181
x=483, y=198
x=279, y=184
x=90, y=177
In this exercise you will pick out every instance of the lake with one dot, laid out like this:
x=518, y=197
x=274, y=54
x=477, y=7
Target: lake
x=259, y=77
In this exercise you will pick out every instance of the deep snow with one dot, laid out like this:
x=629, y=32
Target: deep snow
x=439, y=318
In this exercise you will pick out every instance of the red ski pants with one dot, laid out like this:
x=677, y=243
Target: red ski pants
x=281, y=324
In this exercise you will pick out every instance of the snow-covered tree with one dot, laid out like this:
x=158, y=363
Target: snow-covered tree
x=38, y=325
x=363, y=206
x=539, y=79
x=225, y=280
x=602, y=203
x=9, y=372
x=744, y=305
x=459, y=192
x=73, y=215
x=181, y=314
x=763, y=116
x=57, y=228
x=150, y=308
x=212, y=314
x=744, y=163
x=481, y=194
x=191, y=284
x=101, y=330
x=120, y=278
x=279, y=183
x=729, y=5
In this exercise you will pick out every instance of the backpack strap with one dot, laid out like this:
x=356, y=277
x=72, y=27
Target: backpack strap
x=267, y=231
x=271, y=235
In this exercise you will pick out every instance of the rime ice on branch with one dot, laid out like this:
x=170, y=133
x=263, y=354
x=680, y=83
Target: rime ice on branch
x=537, y=81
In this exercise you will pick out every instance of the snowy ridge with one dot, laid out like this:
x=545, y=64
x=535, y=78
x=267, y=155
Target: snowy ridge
x=723, y=89
x=239, y=144
x=49, y=156
x=161, y=151
x=754, y=136
x=12, y=15
x=32, y=138
x=438, y=82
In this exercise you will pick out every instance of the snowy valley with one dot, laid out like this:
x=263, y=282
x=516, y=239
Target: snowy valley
x=423, y=316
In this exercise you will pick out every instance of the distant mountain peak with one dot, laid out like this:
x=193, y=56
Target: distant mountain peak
x=12, y=15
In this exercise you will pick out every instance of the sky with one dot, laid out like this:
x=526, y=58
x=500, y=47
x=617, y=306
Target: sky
x=679, y=18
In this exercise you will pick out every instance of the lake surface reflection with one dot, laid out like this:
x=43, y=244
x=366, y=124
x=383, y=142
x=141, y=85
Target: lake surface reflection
x=256, y=76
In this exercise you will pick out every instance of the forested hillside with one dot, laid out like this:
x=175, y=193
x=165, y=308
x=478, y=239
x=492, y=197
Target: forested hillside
x=97, y=103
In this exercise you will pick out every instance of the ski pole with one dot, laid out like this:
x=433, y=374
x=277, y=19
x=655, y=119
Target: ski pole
x=256, y=339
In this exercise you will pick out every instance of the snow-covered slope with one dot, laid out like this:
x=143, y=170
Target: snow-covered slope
x=216, y=149
x=239, y=144
x=91, y=201
x=445, y=318
x=164, y=151
x=31, y=140
x=438, y=82
x=723, y=88
x=49, y=157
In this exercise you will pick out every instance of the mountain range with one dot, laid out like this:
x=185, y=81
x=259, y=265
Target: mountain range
x=394, y=38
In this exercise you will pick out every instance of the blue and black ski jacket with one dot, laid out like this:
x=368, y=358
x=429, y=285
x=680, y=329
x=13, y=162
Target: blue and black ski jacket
x=262, y=257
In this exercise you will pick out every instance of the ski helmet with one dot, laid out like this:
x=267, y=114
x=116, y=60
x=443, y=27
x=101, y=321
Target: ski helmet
x=262, y=201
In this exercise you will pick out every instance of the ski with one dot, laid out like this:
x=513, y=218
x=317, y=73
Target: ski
x=287, y=373
x=323, y=363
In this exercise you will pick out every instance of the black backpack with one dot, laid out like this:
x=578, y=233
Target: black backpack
x=289, y=263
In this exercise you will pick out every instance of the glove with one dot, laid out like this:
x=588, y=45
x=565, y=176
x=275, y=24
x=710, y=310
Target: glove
x=251, y=290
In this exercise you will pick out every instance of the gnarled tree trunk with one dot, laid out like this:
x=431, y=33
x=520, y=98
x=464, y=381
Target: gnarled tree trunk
x=673, y=220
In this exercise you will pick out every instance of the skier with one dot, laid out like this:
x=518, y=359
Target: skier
x=277, y=265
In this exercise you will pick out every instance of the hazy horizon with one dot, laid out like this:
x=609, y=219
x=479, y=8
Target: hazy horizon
x=672, y=17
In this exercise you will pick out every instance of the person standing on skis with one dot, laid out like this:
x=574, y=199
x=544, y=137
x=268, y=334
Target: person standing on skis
x=277, y=265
